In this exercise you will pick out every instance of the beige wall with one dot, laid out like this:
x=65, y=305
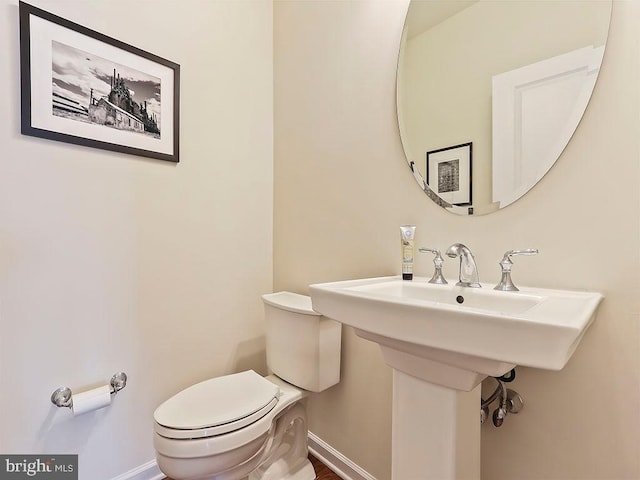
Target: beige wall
x=114, y=262
x=342, y=187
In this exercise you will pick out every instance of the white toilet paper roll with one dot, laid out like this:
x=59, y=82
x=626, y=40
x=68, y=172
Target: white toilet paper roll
x=91, y=400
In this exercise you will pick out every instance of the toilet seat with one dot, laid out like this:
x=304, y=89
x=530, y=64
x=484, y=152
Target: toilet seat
x=217, y=406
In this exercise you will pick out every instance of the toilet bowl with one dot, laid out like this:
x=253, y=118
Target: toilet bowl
x=247, y=426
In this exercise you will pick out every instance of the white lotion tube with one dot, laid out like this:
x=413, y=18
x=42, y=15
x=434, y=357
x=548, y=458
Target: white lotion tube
x=407, y=236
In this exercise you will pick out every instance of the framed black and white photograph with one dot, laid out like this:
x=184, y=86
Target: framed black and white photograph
x=82, y=87
x=449, y=173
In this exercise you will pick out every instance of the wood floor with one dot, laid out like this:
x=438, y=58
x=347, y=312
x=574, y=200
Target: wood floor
x=322, y=471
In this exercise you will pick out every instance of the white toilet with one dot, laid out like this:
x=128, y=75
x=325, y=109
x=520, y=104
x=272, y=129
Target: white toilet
x=248, y=426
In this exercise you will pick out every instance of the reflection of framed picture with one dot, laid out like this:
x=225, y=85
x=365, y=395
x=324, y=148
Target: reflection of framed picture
x=449, y=173
x=80, y=86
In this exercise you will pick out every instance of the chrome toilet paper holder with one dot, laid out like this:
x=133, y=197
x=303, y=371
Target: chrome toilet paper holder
x=61, y=397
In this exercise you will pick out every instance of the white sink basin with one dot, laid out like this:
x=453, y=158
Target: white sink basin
x=456, y=336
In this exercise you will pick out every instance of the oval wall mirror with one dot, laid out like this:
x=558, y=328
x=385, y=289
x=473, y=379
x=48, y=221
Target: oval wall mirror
x=489, y=92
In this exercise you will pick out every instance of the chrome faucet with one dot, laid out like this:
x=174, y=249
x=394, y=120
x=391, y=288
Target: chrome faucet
x=506, y=284
x=468, y=268
x=438, y=261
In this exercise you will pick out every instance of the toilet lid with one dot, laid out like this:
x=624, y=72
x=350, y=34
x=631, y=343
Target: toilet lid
x=223, y=401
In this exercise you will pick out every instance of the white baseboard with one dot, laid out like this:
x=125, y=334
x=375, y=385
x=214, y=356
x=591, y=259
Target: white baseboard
x=336, y=461
x=324, y=452
x=148, y=471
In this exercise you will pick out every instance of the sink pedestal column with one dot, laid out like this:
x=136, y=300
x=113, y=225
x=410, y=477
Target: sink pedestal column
x=435, y=432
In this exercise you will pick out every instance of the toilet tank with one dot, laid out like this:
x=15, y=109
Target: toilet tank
x=303, y=347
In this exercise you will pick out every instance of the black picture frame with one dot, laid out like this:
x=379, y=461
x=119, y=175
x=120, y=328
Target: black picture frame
x=79, y=102
x=449, y=173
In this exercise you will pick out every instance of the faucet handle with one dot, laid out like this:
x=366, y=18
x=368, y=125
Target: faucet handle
x=438, y=261
x=506, y=284
x=528, y=251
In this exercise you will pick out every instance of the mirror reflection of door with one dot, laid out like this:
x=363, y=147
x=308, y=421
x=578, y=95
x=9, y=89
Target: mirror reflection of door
x=536, y=109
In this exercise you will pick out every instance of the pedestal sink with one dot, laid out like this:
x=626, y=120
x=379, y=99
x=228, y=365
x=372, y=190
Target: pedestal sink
x=442, y=341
